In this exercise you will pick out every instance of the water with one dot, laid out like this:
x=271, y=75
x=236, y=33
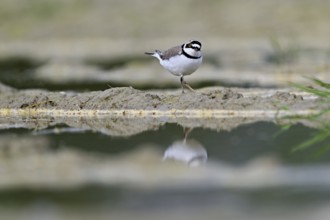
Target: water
x=248, y=172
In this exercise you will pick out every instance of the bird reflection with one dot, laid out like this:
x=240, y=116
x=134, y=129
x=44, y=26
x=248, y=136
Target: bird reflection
x=187, y=150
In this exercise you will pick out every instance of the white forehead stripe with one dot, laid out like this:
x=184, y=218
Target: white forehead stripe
x=196, y=45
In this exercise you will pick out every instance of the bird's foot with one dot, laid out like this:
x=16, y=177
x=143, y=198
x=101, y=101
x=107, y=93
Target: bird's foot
x=184, y=84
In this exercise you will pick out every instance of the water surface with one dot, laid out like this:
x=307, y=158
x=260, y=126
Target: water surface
x=248, y=172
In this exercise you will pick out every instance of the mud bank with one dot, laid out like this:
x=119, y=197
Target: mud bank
x=126, y=111
x=127, y=98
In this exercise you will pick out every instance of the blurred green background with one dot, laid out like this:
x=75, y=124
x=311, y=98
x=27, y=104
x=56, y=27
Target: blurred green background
x=146, y=19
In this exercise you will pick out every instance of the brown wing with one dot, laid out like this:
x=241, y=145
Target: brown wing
x=171, y=52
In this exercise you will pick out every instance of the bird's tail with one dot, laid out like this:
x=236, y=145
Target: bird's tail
x=149, y=53
x=157, y=54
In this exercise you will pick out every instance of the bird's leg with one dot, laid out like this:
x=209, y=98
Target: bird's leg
x=185, y=84
x=191, y=89
x=182, y=83
x=186, y=132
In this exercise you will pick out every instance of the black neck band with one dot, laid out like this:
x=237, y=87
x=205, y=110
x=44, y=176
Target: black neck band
x=188, y=55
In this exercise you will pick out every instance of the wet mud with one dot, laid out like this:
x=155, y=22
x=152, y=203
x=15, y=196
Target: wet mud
x=126, y=111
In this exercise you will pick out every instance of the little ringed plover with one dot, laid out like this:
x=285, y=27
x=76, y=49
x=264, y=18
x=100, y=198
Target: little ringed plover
x=181, y=60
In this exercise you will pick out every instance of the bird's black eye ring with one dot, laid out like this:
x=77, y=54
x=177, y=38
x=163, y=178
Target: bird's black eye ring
x=196, y=48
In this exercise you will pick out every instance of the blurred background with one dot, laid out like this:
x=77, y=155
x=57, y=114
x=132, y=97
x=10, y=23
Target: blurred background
x=89, y=45
x=94, y=170
x=141, y=21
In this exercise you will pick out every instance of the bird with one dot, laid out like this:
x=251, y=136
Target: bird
x=181, y=60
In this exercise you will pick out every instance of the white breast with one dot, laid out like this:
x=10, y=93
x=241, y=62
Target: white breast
x=181, y=65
